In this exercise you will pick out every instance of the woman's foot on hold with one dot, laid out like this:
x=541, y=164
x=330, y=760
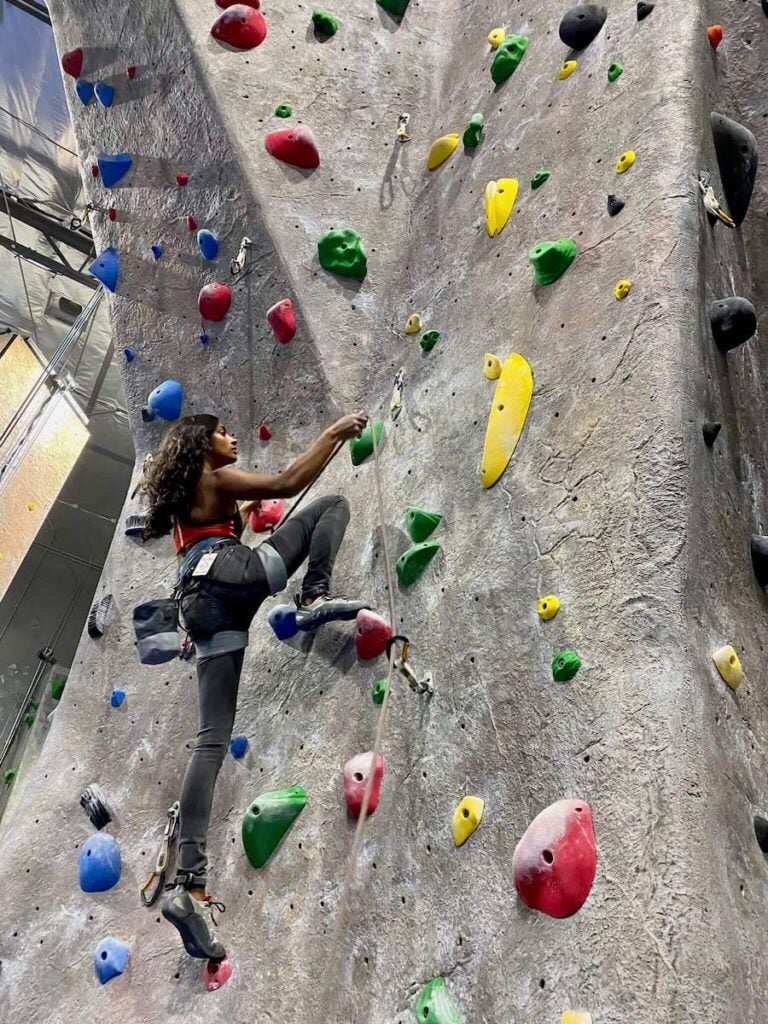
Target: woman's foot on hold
x=195, y=922
x=312, y=612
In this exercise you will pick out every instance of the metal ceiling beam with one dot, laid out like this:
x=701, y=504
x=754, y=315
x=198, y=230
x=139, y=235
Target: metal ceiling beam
x=25, y=211
x=31, y=7
x=45, y=261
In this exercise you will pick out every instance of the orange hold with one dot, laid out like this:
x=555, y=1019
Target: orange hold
x=715, y=35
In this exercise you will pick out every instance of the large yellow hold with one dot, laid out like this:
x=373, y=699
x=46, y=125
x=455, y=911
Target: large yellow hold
x=499, y=199
x=576, y=1017
x=467, y=818
x=511, y=402
x=441, y=149
x=728, y=665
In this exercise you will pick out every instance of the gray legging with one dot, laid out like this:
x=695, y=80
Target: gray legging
x=315, y=533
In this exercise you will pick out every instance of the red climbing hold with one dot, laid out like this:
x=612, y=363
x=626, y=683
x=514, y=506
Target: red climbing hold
x=182, y=179
x=255, y=4
x=554, y=863
x=191, y=223
x=282, y=320
x=264, y=432
x=715, y=35
x=214, y=301
x=356, y=773
x=112, y=213
x=72, y=62
x=216, y=974
x=240, y=26
x=268, y=515
x=295, y=146
x=131, y=71
x=94, y=170
x=371, y=635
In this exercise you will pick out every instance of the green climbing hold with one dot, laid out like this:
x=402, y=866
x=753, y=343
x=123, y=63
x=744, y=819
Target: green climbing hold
x=420, y=523
x=361, y=447
x=379, y=690
x=565, y=665
x=34, y=705
x=435, y=1006
x=412, y=564
x=9, y=776
x=473, y=133
x=341, y=251
x=551, y=259
x=324, y=22
x=507, y=57
x=614, y=71
x=283, y=110
x=57, y=687
x=29, y=718
x=268, y=819
x=429, y=339
x=394, y=7
x=539, y=178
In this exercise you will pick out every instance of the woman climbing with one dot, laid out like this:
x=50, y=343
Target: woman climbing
x=192, y=488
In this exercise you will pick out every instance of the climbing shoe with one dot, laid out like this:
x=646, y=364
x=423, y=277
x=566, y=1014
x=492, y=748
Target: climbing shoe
x=326, y=609
x=195, y=922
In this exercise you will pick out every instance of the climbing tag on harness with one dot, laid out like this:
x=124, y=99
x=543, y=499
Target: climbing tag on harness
x=360, y=448
x=411, y=565
x=371, y=635
x=268, y=819
x=467, y=818
x=728, y=665
x=420, y=523
x=356, y=774
x=434, y=1005
x=499, y=200
x=509, y=410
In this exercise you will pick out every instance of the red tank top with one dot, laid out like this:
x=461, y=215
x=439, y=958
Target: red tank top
x=186, y=534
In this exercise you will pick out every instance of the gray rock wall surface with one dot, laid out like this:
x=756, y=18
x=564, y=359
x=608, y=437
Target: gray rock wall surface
x=611, y=501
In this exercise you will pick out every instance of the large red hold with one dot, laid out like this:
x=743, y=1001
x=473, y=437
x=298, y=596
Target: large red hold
x=216, y=973
x=255, y=4
x=72, y=62
x=282, y=320
x=356, y=773
x=371, y=635
x=295, y=146
x=554, y=863
x=269, y=514
x=214, y=301
x=240, y=26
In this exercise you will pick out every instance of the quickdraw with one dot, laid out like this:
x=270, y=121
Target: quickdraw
x=401, y=665
x=154, y=883
x=237, y=265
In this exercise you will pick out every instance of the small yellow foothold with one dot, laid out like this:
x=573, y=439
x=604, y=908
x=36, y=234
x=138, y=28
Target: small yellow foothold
x=31, y=506
x=496, y=37
x=499, y=199
x=567, y=69
x=491, y=366
x=576, y=1017
x=413, y=324
x=548, y=607
x=441, y=149
x=728, y=665
x=625, y=161
x=466, y=818
x=622, y=289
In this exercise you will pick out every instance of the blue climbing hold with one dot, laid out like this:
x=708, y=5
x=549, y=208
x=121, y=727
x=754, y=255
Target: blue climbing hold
x=204, y=338
x=282, y=619
x=117, y=698
x=209, y=244
x=84, y=91
x=104, y=93
x=129, y=354
x=113, y=168
x=109, y=959
x=165, y=401
x=157, y=250
x=106, y=268
x=99, y=865
x=238, y=746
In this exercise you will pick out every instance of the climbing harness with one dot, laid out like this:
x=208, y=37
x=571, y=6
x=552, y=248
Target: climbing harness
x=237, y=265
x=396, y=404
x=402, y=128
x=154, y=883
x=711, y=202
x=401, y=665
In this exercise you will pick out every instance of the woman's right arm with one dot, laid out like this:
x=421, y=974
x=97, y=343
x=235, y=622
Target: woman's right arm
x=240, y=484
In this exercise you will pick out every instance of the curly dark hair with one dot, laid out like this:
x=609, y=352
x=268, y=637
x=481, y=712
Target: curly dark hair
x=172, y=475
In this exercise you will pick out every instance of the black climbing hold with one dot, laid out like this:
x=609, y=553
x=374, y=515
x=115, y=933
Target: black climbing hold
x=95, y=805
x=644, y=9
x=733, y=322
x=736, y=149
x=758, y=548
x=761, y=825
x=710, y=431
x=615, y=205
x=765, y=8
x=98, y=617
x=581, y=24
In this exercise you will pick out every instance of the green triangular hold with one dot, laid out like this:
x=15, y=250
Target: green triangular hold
x=268, y=819
x=551, y=259
x=420, y=524
x=57, y=687
x=378, y=691
x=565, y=665
x=9, y=776
x=361, y=447
x=29, y=718
x=429, y=339
x=434, y=1005
x=539, y=178
x=324, y=22
x=412, y=564
x=396, y=7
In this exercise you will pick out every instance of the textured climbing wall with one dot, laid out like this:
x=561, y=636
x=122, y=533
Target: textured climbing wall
x=611, y=501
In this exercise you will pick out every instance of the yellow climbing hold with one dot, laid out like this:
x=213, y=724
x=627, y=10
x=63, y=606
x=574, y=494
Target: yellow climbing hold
x=467, y=818
x=31, y=506
x=496, y=37
x=441, y=149
x=548, y=607
x=413, y=324
x=625, y=161
x=511, y=401
x=491, y=366
x=622, y=289
x=567, y=69
x=728, y=665
x=499, y=199
x=576, y=1017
